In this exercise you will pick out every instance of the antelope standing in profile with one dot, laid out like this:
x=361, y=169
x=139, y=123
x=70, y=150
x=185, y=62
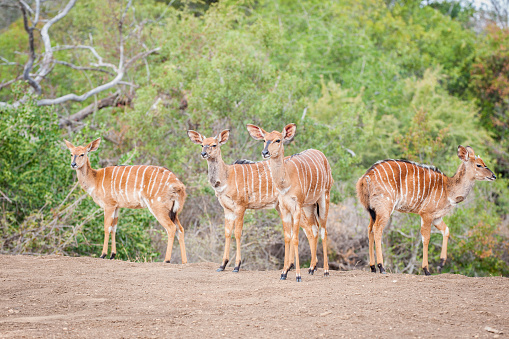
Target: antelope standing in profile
x=304, y=182
x=243, y=185
x=152, y=187
x=408, y=187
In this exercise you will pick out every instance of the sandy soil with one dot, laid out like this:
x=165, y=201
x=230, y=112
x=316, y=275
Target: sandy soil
x=54, y=296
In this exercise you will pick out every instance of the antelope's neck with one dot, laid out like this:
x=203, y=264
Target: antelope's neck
x=86, y=177
x=459, y=185
x=218, y=172
x=277, y=167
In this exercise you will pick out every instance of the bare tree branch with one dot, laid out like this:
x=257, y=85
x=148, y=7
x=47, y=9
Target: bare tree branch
x=112, y=100
x=80, y=68
x=28, y=67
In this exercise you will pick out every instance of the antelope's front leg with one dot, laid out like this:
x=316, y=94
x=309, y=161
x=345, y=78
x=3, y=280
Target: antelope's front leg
x=295, y=240
x=239, y=222
x=109, y=216
x=229, y=222
x=425, y=233
x=286, y=218
x=442, y=227
x=113, y=234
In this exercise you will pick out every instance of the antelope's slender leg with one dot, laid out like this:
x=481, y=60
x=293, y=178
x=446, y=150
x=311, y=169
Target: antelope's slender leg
x=425, y=233
x=229, y=222
x=113, y=234
x=109, y=215
x=239, y=223
x=324, y=208
x=378, y=227
x=287, y=226
x=162, y=215
x=295, y=239
x=371, y=237
x=445, y=237
x=180, y=237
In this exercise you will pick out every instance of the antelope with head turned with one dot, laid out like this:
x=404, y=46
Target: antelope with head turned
x=304, y=182
x=115, y=187
x=238, y=187
x=409, y=187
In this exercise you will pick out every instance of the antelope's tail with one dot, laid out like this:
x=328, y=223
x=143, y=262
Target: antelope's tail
x=178, y=195
x=363, y=195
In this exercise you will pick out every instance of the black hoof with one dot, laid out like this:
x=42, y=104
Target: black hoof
x=373, y=268
x=312, y=270
x=291, y=266
x=426, y=272
x=326, y=274
x=167, y=261
x=237, y=268
x=283, y=276
x=113, y=255
x=222, y=267
x=441, y=265
x=103, y=256
x=381, y=268
x=298, y=278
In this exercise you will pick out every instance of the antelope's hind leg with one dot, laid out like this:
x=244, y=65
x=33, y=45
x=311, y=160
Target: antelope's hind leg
x=371, y=239
x=378, y=227
x=113, y=231
x=323, y=212
x=180, y=237
x=426, y=234
x=162, y=214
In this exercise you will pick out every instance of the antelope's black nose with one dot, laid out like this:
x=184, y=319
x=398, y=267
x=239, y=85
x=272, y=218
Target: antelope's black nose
x=265, y=153
x=494, y=176
x=203, y=154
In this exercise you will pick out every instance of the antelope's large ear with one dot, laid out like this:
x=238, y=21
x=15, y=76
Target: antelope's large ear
x=471, y=153
x=223, y=137
x=195, y=137
x=289, y=132
x=94, y=145
x=463, y=153
x=69, y=145
x=256, y=132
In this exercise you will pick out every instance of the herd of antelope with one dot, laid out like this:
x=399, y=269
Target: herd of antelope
x=297, y=186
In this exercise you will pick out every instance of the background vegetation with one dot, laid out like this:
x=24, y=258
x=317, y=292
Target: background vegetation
x=363, y=80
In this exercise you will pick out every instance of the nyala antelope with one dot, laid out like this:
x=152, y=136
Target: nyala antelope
x=408, y=187
x=243, y=185
x=152, y=187
x=303, y=182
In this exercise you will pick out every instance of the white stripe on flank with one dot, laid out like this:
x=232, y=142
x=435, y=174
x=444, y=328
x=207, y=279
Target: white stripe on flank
x=310, y=176
x=126, y=181
x=116, y=170
x=400, y=182
x=249, y=189
x=441, y=190
x=135, y=181
x=395, y=182
x=381, y=180
x=235, y=177
x=120, y=182
x=428, y=196
x=317, y=172
x=318, y=157
x=271, y=181
x=154, y=169
x=418, y=186
x=161, y=181
x=102, y=183
x=155, y=180
x=388, y=180
x=406, y=184
x=243, y=179
x=264, y=165
x=259, y=183
x=143, y=179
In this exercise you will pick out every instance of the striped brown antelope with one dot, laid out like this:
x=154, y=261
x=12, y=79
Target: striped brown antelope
x=152, y=187
x=304, y=182
x=243, y=185
x=408, y=187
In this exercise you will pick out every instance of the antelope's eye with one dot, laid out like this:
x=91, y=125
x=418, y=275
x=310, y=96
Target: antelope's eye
x=278, y=140
x=214, y=145
x=81, y=155
x=479, y=166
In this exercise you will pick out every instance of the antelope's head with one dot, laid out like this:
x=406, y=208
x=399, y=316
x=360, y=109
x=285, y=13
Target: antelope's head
x=210, y=146
x=273, y=141
x=474, y=164
x=79, y=154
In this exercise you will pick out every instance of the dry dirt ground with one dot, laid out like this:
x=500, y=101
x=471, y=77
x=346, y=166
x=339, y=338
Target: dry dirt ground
x=63, y=297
